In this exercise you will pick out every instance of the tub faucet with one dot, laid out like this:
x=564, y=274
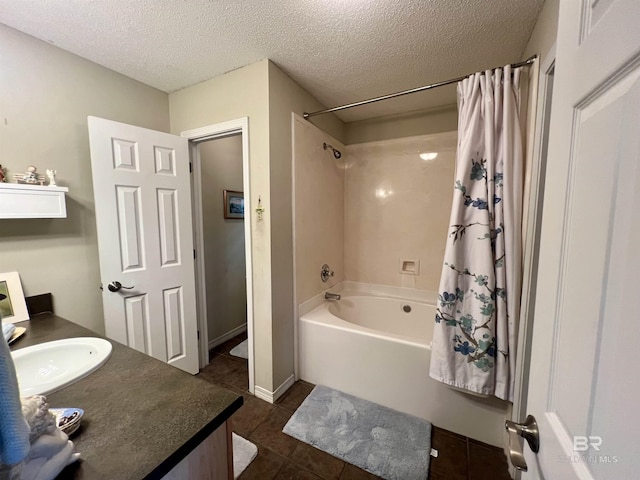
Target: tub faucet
x=331, y=296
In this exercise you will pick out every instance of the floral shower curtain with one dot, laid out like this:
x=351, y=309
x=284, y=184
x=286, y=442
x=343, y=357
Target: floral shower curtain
x=474, y=344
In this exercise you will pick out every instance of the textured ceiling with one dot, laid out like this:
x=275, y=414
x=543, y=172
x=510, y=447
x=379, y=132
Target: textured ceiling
x=339, y=50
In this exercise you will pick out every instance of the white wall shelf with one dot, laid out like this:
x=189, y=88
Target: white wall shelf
x=32, y=201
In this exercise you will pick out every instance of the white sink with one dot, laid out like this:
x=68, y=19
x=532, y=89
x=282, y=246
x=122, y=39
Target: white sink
x=50, y=366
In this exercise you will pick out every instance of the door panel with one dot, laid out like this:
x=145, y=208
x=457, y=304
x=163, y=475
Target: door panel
x=143, y=214
x=136, y=319
x=174, y=322
x=167, y=213
x=579, y=388
x=130, y=227
x=586, y=254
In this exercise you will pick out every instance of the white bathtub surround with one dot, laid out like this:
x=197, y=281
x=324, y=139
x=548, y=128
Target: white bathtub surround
x=394, y=209
x=382, y=441
x=383, y=356
x=475, y=337
x=368, y=289
x=318, y=187
x=425, y=296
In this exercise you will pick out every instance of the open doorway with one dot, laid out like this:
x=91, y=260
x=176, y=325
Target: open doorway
x=222, y=236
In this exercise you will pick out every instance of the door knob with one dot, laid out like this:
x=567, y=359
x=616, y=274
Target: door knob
x=527, y=430
x=115, y=286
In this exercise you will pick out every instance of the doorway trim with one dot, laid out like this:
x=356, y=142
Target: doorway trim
x=196, y=136
x=531, y=241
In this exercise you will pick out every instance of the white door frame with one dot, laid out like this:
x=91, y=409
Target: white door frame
x=531, y=242
x=195, y=136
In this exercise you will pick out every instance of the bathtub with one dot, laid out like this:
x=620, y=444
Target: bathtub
x=375, y=343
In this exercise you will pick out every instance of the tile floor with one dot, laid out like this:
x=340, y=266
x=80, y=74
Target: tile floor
x=281, y=457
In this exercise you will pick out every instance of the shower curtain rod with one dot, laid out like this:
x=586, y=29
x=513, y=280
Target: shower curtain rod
x=307, y=116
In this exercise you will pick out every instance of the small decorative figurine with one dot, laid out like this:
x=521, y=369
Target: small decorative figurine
x=2, y=179
x=51, y=175
x=31, y=176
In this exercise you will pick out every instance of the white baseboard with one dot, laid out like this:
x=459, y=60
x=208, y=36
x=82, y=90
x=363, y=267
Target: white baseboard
x=230, y=334
x=271, y=397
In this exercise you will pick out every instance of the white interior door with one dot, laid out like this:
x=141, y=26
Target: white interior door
x=584, y=386
x=143, y=214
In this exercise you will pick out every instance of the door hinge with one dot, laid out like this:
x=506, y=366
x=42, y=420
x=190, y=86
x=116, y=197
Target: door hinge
x=190, y=167
x=198, y=334
x=194, y=253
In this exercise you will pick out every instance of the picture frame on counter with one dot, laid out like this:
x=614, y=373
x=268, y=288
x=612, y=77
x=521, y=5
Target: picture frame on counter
x=13, y=307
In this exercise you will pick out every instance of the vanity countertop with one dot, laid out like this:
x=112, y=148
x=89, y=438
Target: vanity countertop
x=142, y=416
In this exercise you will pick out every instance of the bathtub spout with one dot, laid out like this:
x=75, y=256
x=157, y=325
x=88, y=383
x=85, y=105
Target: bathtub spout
x=331, y=296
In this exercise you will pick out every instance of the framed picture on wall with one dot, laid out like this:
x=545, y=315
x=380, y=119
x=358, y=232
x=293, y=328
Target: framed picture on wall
x=233, y=204
x=13, y=308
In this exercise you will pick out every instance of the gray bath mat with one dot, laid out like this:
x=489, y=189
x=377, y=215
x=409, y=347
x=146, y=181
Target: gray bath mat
x=241, y=350
x=382, y=441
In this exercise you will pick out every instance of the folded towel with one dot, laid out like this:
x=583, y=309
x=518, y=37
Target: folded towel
x=40, y=420
x=50, y=451
x=7, y=330
x=10, y=473
x=14, y=431
x=42, y=468
x=48, y=445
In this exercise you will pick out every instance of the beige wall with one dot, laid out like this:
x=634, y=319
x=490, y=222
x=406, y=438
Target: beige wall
x=436, y=120
x=319, y=209
x=224, y=256
x=285, y=97
x=545, y=31
x=46, y=95
x=242, y=93
x=267, y=96
x=397, y=207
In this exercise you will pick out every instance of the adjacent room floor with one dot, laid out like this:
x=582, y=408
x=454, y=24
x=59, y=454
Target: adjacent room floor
x=282, y=457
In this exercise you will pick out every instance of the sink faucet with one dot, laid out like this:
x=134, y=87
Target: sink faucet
x=331, y=296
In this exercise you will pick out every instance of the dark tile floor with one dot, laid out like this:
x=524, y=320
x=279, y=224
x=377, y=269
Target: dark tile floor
x=281, y=457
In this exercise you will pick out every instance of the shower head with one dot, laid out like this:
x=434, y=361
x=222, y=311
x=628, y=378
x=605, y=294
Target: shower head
x=336, y=152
